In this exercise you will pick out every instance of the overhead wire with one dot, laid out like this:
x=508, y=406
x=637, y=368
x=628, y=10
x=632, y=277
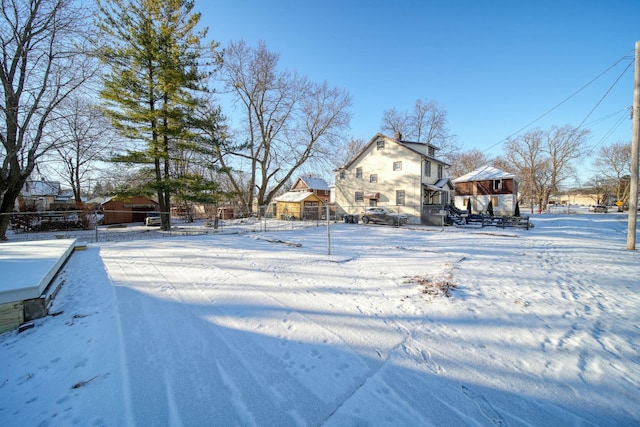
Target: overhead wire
x=605, y=94
x=616, y=125
x=625, y=56
x=608, y=116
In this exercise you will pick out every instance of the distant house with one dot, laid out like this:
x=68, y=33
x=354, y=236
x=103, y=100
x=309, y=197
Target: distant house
x=38, y=196
x=133, y=209
x=315, y=185
x=583, y=196
x=484, y=185
x=41, y=196
x=305, y=199
x=402, y=175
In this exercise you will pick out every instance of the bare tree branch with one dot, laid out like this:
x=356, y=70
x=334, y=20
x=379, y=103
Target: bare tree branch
x=288, y=120
x=43, y=61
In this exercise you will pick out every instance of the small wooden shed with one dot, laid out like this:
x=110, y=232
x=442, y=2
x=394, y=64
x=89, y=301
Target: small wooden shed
x=299, y=205
x=133, y=209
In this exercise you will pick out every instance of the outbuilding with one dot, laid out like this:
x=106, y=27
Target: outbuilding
x=123, y=211
x=299, y=205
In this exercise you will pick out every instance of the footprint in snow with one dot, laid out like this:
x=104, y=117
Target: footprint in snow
x=484, y=406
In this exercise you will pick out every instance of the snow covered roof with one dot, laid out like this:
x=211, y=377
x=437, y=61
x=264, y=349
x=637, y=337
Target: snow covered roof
x=315, y=183
x=99, y=200
x=439, y=186
x=294, y=196
x=41, y=188
x=484, y=173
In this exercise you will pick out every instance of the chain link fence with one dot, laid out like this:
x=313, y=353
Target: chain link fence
x=87, y=226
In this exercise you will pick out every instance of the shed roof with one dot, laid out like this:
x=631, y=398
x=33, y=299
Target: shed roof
x=106, y=200
x=484, y=173
x=296, y=196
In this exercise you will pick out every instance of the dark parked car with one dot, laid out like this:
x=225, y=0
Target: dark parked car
x=382, y=215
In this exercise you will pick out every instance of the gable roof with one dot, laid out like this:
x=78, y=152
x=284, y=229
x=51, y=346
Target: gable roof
x=415, y=147
x=312, y=183
x=483, y=174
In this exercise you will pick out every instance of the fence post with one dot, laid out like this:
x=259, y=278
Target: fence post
x=328, y=232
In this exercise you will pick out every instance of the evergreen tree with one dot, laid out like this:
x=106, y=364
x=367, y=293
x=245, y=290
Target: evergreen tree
x=153, y=53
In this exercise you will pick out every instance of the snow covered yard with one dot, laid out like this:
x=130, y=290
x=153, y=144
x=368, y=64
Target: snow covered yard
x=542, y=327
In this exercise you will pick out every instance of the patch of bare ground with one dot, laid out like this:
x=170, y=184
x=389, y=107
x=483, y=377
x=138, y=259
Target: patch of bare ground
x=433, y=287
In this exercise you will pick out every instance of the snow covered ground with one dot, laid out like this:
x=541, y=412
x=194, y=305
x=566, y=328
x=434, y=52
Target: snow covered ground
x=542, y=327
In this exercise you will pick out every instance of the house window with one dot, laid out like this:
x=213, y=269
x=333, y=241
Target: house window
x=431, y=151
x=400, y=197
x=427, y=168
x=497, y=185
x=440, y=171
x=380, y=144
x=359, y=196
x=358, y=172
x=342, y=174
x=373, y=178
x=397, y=166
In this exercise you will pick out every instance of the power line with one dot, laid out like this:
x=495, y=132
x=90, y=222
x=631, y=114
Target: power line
x=605, y=94
x=626, y=56
x=613, y=128
x=608, y=116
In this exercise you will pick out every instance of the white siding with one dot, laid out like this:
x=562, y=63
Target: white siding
x=381, y=163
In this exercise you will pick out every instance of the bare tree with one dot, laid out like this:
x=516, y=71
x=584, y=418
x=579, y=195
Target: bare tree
x=42, y=63
x=543, y=160
x=394, y=122
x=563, y=146
x=86, y=138
x=288, y=120
x=348, y=151
x=601, y=189
x=614, y=163
x=427, y=122
x=462, y=163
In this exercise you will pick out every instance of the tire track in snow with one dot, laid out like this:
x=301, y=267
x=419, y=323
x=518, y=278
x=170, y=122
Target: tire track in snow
x=289, y=388
x=176, y=364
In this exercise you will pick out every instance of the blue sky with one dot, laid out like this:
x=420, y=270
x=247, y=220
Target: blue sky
x=495, y=66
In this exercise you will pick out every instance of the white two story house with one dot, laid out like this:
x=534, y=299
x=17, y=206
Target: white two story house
x=402, y=175
x=476, y=189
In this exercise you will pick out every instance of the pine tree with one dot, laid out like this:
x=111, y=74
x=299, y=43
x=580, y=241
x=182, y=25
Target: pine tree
x=153, y=53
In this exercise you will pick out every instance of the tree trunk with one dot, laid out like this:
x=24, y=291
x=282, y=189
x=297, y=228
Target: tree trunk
x=7, y=205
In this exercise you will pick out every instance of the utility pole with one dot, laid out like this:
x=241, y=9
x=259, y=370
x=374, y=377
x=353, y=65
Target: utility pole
x=635, y=140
